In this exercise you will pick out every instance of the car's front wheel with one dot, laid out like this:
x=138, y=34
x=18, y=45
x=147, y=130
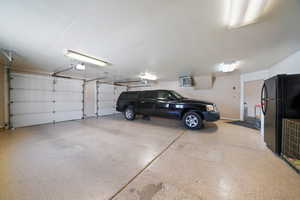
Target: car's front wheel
x=129, y=113
x=192, y=120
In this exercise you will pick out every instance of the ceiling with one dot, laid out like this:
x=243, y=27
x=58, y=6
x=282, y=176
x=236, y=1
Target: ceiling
x=166, y=37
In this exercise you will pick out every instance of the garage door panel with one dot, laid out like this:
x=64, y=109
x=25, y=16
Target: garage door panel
x=68, y=96
x=106, y=104
x=107, y=96
x=119, y=90
x=31, y=107
x=33, y=119
x=106, y=111
x=106, y=87
x=33, y=82
x=68, y=99
x=106, y=99
x=70, y=115
x=39, y=99
x=68, y=106
x=111, y=106
x=68, y=85
x=30, y=95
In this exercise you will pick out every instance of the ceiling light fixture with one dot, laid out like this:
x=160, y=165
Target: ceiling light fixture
x=228, y=67
x=244, y=12
x=148, y=76
x=85, y=58
x=80, y=67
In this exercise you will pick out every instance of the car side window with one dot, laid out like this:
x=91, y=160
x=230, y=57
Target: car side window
x=163, y=95
x=149, y=95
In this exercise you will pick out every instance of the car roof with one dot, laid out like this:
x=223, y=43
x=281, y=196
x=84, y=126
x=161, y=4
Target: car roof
x=149, y=90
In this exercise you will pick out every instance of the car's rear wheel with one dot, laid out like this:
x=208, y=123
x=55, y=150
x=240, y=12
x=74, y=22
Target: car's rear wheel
x=129, y=113
x=192, y=120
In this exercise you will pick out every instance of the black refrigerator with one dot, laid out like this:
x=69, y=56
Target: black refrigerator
x=280, y=98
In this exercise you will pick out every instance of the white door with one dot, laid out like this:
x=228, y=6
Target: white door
x=36, y=99
x=119, y=90
x=31, y=100
x=107, y=98
x=106, y=102
x=68, y=95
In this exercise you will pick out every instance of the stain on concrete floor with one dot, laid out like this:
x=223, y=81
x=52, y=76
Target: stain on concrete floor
x=149, y=191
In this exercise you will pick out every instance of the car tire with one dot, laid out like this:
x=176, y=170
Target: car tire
x=129, y=113
x=192, y=120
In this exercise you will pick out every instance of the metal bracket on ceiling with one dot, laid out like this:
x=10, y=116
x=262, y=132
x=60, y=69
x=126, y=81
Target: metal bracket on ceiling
x=63, y=70
x=7, y=54
x=56, y=74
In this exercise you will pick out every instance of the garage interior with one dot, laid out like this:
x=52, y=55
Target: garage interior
x=64, y=64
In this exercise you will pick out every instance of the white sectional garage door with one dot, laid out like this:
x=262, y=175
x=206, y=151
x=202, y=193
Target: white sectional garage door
x=36, y=99
x=68, y=96
x=31, y=100
x=107, y=98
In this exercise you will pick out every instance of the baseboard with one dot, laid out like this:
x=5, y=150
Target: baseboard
x=227, y=118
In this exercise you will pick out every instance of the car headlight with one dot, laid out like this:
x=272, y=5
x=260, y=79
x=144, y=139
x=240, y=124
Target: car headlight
x=210, y=108
x=215, y=108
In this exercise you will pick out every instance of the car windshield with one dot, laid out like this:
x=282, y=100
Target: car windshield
x=176, y=95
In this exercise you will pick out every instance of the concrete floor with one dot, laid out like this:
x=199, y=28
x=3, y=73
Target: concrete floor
x=111, y=158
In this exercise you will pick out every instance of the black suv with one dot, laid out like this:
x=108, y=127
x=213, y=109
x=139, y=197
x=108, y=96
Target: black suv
x=169, y=104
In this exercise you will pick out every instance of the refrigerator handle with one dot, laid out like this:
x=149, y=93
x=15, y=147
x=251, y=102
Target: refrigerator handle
x=264, y=99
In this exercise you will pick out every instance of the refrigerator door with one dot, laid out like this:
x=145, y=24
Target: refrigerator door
x=269, y=101
x=280, y=99
x=291, y=94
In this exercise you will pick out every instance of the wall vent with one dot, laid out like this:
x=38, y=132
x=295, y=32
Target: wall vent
x=185, y=81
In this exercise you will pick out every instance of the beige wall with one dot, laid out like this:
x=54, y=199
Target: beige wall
x=223, y=94
x=252, y=93
x=1, y=96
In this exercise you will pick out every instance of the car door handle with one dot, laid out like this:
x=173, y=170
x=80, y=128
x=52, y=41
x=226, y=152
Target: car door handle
x=142, y=101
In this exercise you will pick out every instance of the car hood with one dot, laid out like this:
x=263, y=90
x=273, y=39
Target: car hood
x=194, y=101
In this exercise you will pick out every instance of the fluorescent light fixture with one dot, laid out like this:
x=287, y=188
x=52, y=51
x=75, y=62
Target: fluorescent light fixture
x=255, y=9
x=228, y=67
x=85, y=58
x=80, y=67
x=148, y=76
x=243, y=12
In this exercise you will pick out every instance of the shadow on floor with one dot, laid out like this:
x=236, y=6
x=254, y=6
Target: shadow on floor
x=208, y=127
x=246, y=124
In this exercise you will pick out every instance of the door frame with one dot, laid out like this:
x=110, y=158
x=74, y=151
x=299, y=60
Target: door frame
x=254, y=76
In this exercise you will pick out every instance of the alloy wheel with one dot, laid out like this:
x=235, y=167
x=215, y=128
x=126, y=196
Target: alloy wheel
x=192, y=121
x=129, y=114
